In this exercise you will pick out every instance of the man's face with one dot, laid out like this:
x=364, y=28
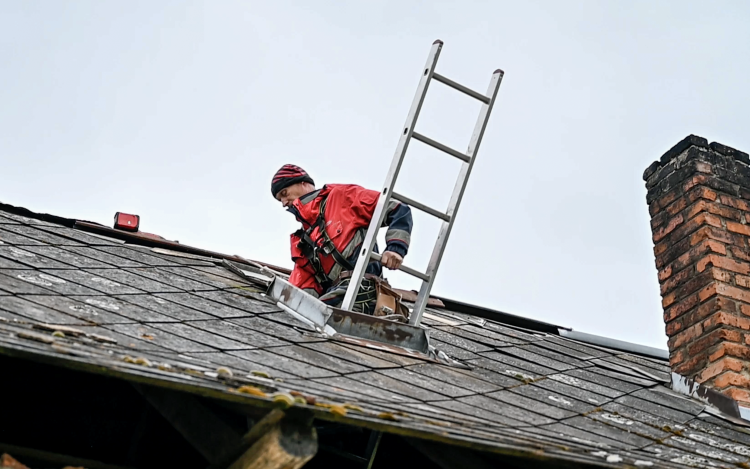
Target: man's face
x=288, y=195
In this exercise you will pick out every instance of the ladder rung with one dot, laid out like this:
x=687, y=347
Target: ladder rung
x=440, y=146
x=403, y=268
x=422, y=207
x=461, y=88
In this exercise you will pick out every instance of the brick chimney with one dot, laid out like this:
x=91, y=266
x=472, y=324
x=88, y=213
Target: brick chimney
x=699, y=201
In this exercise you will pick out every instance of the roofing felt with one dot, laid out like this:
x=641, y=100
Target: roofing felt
x=99, y=304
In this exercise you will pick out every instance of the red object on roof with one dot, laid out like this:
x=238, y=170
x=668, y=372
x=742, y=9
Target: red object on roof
x=126, y=221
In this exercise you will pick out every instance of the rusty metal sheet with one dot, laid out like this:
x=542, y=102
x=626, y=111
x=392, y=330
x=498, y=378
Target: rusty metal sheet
x=372, y=328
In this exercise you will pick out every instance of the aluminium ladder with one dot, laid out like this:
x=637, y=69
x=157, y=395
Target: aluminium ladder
x=448, y=217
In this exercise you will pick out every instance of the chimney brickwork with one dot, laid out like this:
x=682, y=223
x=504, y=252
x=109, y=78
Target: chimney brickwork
x=699, y=201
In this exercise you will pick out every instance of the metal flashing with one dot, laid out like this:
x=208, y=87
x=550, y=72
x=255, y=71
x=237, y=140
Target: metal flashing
x=615, y=344
x=723, y=403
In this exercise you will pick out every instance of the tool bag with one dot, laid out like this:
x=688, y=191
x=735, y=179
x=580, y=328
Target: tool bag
x=388, y=303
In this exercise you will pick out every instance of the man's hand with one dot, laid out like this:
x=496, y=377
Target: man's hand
x=391, y=260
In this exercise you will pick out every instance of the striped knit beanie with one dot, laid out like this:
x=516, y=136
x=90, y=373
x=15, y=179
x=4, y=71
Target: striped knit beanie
x=286, y=176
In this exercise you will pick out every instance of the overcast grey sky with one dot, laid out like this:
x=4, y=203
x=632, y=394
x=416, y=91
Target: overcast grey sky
x=182, y=111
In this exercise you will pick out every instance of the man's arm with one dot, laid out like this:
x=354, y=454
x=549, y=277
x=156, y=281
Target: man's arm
x=301, y=276
x=398, y=219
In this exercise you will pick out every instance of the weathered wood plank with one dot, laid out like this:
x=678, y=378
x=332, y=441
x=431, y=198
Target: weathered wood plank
x=288, y=444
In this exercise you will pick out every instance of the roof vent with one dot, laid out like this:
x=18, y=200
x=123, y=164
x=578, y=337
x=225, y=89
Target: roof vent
x=127, y=222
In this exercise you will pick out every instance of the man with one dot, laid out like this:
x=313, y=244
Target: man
x=334, y=223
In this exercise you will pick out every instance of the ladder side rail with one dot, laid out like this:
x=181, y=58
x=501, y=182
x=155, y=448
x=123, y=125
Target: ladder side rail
x=379, y=214
x=458, y=192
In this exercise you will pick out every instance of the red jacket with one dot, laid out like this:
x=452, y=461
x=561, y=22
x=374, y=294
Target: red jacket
x=348, y=212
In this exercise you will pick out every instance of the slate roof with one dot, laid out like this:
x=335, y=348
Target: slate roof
x=171, y=318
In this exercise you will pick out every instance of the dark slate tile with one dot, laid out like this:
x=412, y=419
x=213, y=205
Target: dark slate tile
x=737, y=447
x=512, y=366
x=84, y=311
x=432, y=411
x=521, y=336
x=168, y=278
x=30, y=259
x=273, y=329
x=15, y=239
x=683, y=404
x=193, y=274
x=182, y=258
x=387, y=356
x=623, y=373
x=11, y=318
x=132, y=343
x=371, y=389
x=509, y=336
x=427, y=382
x=453, y=351
x=452, y=376
x=569, y=390
x=102, y=256
x=525, y=415
x=19, y=283
x=710, y=452
x=662, y=422
x=249, y=337
x=67, y=257
x=280, y=362
x=381, y=381
x=481, y=413
x=6, y=263
x=55, y=280
x=717, y=427
x=532, y=357
x=337, y=351
x=641, y=371
x=569, y=380
x=204, y=305
x=136, y=254
x=561, y=431
x=160, y=338
x=552, y=398
x=236, y=363
x=512, y=397
x=683, y=458
x=81, y=236
x=655, y=409
x=35, y=312
x=39, y=235
x=245, y=303
x=208, y=338
x=628, y=425
x=591, y=376
x=88, y=283
x=588, y=351
x=561, y=350
x=318, y=360
x=165, y=307
x=608, y=431
x=327, y=392
x=458, y=342
x=139, y=282
x=648, y=363
x=284, y=320
x=555, y=355
x=459, y=331
x=492, y=377
x=220, y=274
x=13, y=218
x=7, y=221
